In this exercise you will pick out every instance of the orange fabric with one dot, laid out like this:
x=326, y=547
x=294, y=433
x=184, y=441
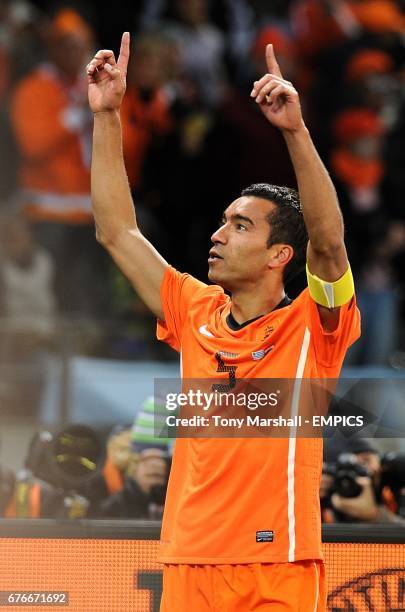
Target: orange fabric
x=389, y=500
x=10, y=511
x=36, y=213
x=34, y=497
x=354, y=123
x=328, y=516
x=282, y=42
x=379, y=15
x=314, y=28
x=35, y=501
x=278, y=587
x=113, y=477
x=140, y=120
x=222, y=491
x=355, y=171
x=68, y=22
x=52, y=156
x=368, y=61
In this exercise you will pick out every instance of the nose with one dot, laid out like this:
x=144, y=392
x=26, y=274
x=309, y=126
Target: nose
x=220, y=235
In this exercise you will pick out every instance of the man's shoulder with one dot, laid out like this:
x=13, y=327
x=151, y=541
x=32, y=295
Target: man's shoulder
x=300, y=302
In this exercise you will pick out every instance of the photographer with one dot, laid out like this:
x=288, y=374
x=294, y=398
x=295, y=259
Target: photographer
x=146, y=475
x=361, y=487
x=58, y=479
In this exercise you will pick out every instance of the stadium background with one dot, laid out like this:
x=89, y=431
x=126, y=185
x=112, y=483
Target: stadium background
x=76, y=343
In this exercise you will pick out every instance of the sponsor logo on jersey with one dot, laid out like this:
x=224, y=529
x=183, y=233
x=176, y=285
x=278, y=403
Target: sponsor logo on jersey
x=204, y=331
x=264, y=536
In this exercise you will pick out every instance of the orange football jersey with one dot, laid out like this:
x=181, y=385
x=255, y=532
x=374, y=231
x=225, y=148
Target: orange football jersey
x=225, y=493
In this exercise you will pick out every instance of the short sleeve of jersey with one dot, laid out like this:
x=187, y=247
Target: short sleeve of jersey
x=331, y=347
x=177, y=292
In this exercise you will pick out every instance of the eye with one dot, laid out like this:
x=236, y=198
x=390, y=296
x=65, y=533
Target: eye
x=241, y=227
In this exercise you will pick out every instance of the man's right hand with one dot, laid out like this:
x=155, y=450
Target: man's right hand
x=107, y=78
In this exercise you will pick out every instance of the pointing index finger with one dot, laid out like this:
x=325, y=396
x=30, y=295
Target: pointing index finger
x=123, y=57
x=271, y=61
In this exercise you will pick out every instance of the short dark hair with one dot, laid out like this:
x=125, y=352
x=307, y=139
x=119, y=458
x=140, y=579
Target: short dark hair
x=286, y=222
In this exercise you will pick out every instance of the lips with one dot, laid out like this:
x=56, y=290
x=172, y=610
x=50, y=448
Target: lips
x=214, y=256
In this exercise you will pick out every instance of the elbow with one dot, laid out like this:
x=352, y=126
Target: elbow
x=114, y=236
x=328, y=242
x=105, y=239
x=101, y=237
x=331, y=249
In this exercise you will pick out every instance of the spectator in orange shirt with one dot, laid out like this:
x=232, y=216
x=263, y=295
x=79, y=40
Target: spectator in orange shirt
x=376, y=233
x=52, y=127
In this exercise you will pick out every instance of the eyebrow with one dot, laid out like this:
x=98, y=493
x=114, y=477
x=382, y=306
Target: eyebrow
x=238, y=218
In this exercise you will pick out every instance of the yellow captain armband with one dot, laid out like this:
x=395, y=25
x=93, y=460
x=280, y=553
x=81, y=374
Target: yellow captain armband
x=331, y=295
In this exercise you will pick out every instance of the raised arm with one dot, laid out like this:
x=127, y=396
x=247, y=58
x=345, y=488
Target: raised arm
x=113, y=208
x=279, y=102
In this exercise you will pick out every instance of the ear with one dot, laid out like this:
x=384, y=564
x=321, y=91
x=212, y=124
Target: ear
x=280, y=255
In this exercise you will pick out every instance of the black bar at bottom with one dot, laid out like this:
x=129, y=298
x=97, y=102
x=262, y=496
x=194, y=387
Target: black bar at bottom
x=150, y=530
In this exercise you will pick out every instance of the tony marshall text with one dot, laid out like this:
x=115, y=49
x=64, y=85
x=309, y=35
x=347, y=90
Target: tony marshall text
x=256, y=421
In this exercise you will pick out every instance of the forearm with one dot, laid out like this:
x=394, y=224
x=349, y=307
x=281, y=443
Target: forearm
x=112, y=202
x=322, y=215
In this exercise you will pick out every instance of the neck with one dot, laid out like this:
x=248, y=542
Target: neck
x=248, y=304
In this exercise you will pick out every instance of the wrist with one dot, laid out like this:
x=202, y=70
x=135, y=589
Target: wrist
x=301, y=131
x=108, y=112
x=107, y=117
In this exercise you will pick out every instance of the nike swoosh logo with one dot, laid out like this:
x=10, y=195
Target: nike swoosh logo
x=204, y=331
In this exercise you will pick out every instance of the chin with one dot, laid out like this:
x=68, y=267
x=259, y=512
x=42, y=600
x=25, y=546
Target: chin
x=213, y=276
x=218, y=279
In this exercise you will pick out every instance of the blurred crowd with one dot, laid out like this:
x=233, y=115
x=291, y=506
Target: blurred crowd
x=79, y=472
x=360, y=483
x=192, y=140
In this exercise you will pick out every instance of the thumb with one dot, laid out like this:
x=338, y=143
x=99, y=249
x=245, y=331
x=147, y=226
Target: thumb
x=336, y=501
x=271, y=61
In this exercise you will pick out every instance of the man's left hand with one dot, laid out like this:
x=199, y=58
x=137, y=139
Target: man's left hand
x=277, y=98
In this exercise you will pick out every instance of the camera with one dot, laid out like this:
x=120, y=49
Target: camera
x=69, y=458
x=347, y=470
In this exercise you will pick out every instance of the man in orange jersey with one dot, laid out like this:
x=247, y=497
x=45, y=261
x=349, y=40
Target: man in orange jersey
x=241, y=528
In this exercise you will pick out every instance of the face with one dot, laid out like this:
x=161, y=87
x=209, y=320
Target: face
x=240, y=256
x=193, y=12
x=119, y=449
x=70, y=54
x=149, y=470
x=147, y=68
